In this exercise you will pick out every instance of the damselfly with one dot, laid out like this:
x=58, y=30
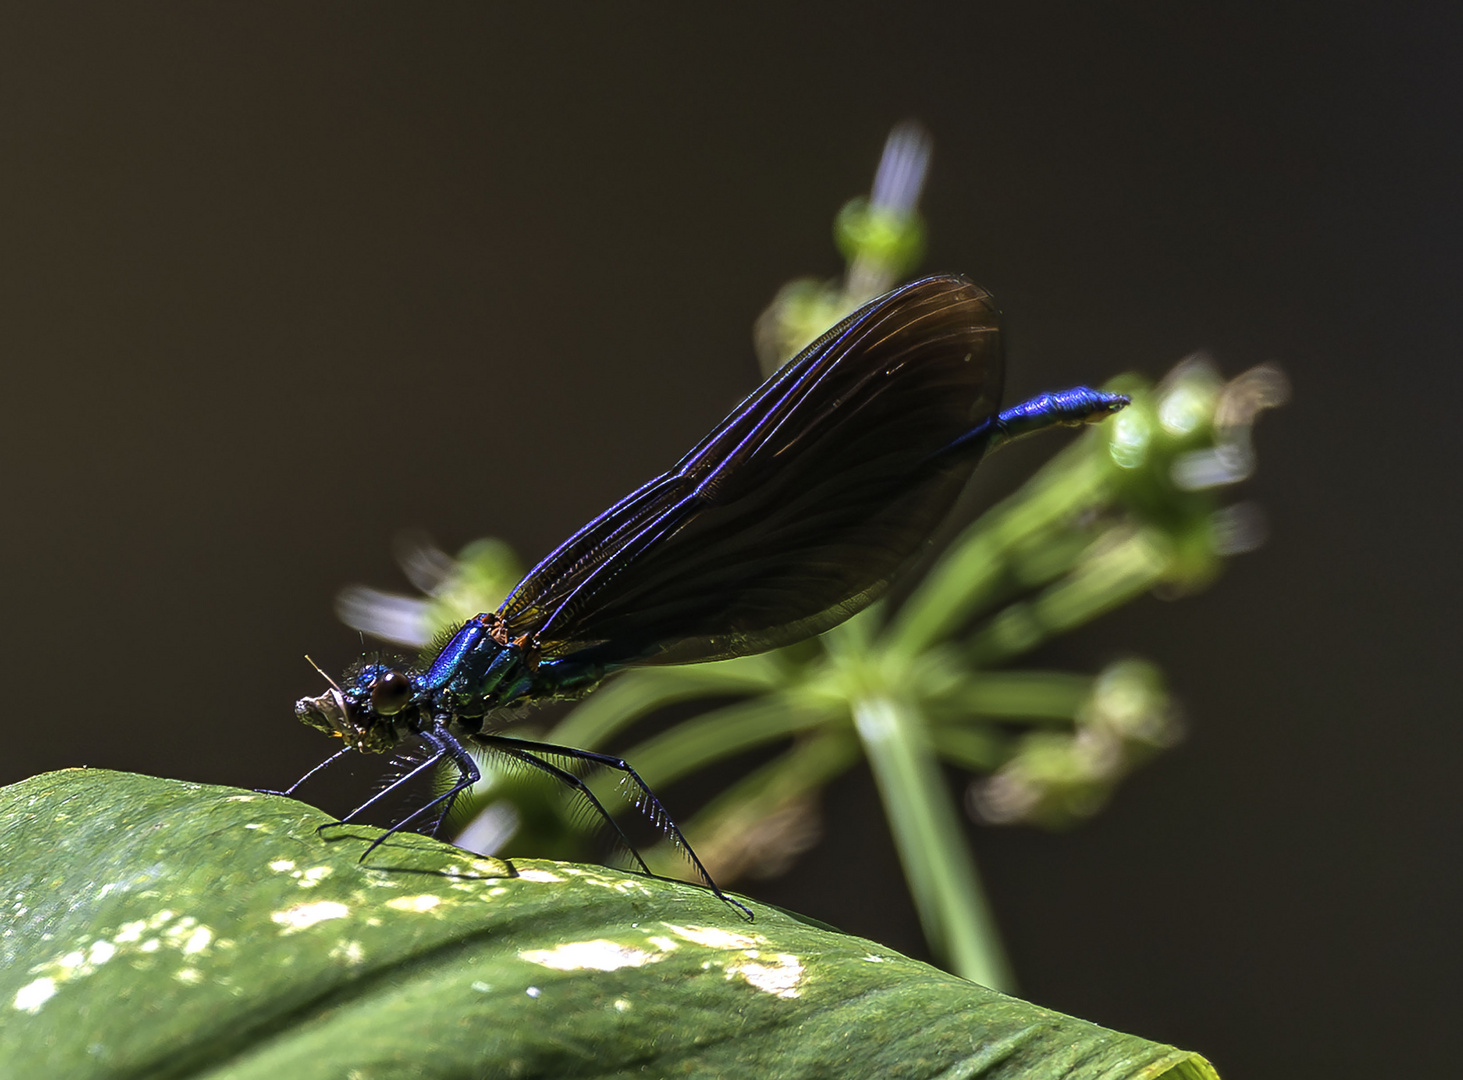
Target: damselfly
x=794, y=514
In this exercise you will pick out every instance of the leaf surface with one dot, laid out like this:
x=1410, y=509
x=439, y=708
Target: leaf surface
x=161, y=929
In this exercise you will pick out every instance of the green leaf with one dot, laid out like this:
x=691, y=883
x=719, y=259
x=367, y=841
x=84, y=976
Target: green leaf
x=163, y=929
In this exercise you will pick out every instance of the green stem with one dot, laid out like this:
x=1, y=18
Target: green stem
x=932, y=847
x=638, y=693
x=1027, y=695
x=1123, y=568
x=726, y=831
x=721, y=733
x=968, y=576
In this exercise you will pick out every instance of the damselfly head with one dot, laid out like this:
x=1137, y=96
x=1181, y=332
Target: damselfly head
x=365, y=712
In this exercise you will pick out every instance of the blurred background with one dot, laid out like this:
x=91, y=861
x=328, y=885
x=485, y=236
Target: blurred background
x=277, y=283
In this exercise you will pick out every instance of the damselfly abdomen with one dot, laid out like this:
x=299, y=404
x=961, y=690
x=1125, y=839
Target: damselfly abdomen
x=794, y=514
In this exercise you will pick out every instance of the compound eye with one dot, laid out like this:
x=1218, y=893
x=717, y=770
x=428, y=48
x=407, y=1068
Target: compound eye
x=391, y=692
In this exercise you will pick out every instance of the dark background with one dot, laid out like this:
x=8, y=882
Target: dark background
x=276, y=283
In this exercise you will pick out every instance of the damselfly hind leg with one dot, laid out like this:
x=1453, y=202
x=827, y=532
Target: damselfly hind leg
x=651, y=806
x=531, y=758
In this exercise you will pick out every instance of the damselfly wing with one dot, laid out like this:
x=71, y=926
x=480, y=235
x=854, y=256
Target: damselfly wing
x=794, y=514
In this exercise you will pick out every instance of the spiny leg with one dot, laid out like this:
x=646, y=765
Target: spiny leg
x=657, y=813
x=389, y=788
x=467, y=775
x=564, y=776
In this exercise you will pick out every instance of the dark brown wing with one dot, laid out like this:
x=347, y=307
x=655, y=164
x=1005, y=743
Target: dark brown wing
x=794, y=513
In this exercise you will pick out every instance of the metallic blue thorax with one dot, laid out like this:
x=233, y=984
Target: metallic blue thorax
x=478, y=668
x=478, y=671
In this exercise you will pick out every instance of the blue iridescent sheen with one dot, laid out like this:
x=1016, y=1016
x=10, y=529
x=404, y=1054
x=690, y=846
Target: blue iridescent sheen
x=794, y=514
